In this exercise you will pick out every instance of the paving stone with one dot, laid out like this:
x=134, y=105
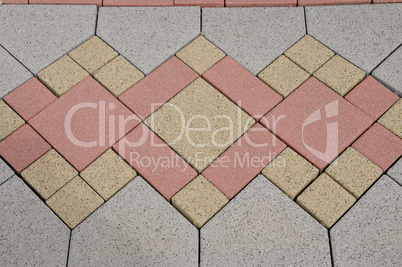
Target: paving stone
x=369, y=234
x=199, y=201
x=138, y=2
x=5, y=171
x=367, y=46
x=150, y=232
x=242, y=87
x=15, y=2
x=201, y=3
x=259, y=3
x=200, y=54
x=395, y=172
x=254, y=37
x=158, y=87
x=332, y=2
x=108, y=174
x=148, y=36
x=74, y=202
x=380, y=146
x=118, y=76
x=29, y=99
x=66, y=2
x=392, y=119
x=386, y=1
x=46, y=33
x=290, y=172
x=325, y=200
x=199, y=106
x=340, y=75
x=258, y=221
x=9, y=120
x=309, y=53
x=283, y=76
x=30, y=232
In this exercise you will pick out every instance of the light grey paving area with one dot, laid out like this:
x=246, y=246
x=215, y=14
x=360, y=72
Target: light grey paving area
x=37, y=35
x=5, y=171
x=395, y=171
x=253, y=36
x=136, y=227
x=363, y=34
x=148, y=36
x=263, y=227
x=370, y=233
x=390, y=72
x=30, y=233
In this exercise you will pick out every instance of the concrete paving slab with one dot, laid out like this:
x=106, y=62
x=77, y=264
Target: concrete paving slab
x=395, y=172
x=5, y=171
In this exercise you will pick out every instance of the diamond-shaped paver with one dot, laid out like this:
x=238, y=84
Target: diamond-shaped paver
x=9, y=120
x=392, y=119
x=390, y=72
x=5, y=171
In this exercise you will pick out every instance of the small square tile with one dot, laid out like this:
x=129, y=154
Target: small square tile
x=108, y=174
x=340, y=75
x=74, y=202
x=290, y=172
x=392, y=119
x=326, y=200
x=283, y=76
x=118, y=75
x=200, y=54
x=93, y=54
x=49, y=173
x=199, y=201
x=62, y=75
x=309, y=53
x=30, y=98
x=9, y=120
x=354, y=172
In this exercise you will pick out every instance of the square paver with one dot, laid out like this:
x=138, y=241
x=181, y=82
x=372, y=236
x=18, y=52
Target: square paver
x=74, y=202
x=199, y=201
x=354, y=172
x=9, y=120
x=108, y=174
x=326, y=200
x=49, y=173
x=392, y=119
x=290, y=172
x=62, y=75
x=340, y=75
x=242, y=87
x=118, y=75
x=283, y=76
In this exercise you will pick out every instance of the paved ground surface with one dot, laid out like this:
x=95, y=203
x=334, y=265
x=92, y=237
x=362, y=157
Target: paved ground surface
x=177, y=136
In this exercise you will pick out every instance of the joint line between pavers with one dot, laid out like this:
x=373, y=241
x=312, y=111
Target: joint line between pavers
x=382, y=61
x=331, y=255
x=69, y=246
x=305, y=18
x=17, y=60
x=97, y=19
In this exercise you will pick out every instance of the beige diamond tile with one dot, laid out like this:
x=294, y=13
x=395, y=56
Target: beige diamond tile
x=10, y=121
x=392, y=119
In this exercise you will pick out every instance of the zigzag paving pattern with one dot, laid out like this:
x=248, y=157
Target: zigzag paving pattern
x=144, y=141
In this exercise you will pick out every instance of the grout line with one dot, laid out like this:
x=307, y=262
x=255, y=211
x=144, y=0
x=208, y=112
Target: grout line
x=96, y=20
x=69, y=246
x=305, y=19
x=33, y=74
x=331, y=253
x=382, y=61
x=199, y=246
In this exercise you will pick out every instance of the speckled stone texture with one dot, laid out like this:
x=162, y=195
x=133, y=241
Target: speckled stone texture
x=395, y=171
x=66, y=2
x=48, y=174
x=5, y=171
x=392, y=119
x=290, y=172
x=332, y=2
x=199, y=201
x=258, y=221
x=259, y=3
x=201, y=3
x=31, y=234
x=9, y=120
x=150, y=232
x=370, y=233
x=390, y=72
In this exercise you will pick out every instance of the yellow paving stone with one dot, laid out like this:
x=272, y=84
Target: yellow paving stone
x=325, y=200
x=118, y=75
x=49, y=173
x=354, y=172
x=392, y=119
x=199, y=201
x=200, y=54
x=290, y=172
x=283, y=75
x=108, y=174
x=10, y=121
x=340, y=75
x=62, y=75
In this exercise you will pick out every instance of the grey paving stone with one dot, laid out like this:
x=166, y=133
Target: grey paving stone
x=5, y=171
x=363, y=34
x=370, y=233
x=148, y=36
x=253, y=36
x=263, y=227
x=136, y=227
x=38, y=35
x=395, y=171
x=30, y=233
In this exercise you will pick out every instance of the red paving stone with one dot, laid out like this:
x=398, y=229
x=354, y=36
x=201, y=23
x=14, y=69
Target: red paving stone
x=156, y=162
x=259, y=3
x=30, y=98
x=314, y=107
x=380, y=146
x=201, y=3
x=67, y=2
x=238, y=165
x=23, y=147
x=242, y=87
x=386, y=1
x=158, y=87
x=15, y=2
x=372, y=97
x=331, y=2
x=138, y=2
x=89, y=105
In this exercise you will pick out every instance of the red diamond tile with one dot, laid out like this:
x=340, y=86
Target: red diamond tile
x=242, y=87
x=259, y=3
x=96, y=118
x=317, y=122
